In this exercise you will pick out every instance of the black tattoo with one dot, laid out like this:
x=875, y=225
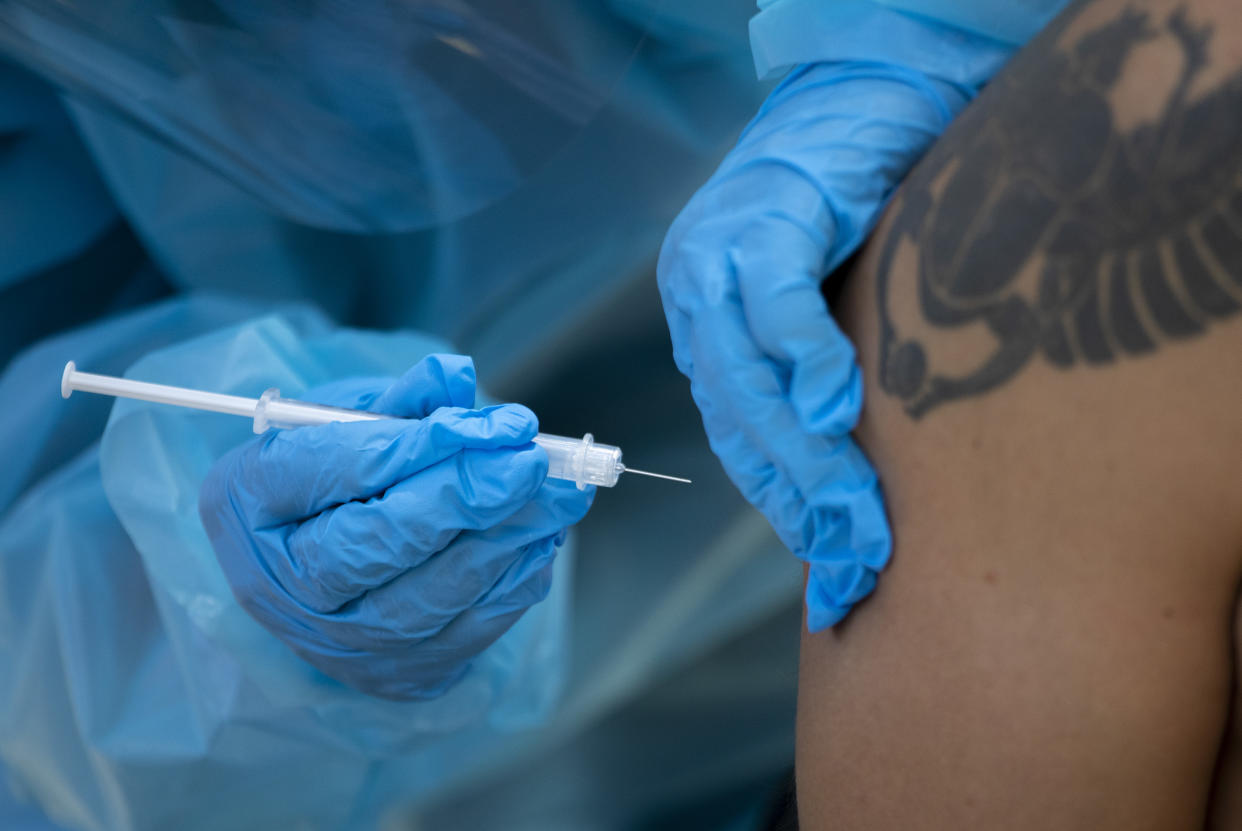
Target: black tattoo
x=1064, y=234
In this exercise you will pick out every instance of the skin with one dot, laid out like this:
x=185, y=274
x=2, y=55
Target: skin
x=1053, y=645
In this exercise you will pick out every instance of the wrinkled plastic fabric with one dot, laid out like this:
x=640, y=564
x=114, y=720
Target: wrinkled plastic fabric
x=684, y=604
x=52, y=202
x=375, y=116
x=271, y=352
x=134, y=693
x=502, y=283
x=160, y=662
x=930, y=39
x=18, y=811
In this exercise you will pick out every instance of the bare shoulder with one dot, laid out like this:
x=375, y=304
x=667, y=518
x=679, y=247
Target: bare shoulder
x=1050, y=324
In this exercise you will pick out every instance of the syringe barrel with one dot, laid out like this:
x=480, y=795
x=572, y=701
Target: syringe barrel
x=283, y=413
x=581, y=460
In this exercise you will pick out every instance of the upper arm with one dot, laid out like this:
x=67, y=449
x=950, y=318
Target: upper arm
x=1049, y=321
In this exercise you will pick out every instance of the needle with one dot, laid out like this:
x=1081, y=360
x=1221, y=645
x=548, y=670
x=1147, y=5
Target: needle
x=657, y=475
x=582, y=461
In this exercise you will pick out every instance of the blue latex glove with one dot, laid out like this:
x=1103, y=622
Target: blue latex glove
x=740, y=275
x=389, y=553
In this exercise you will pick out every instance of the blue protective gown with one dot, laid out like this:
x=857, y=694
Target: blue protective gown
x=654, y=684
x=134, y=693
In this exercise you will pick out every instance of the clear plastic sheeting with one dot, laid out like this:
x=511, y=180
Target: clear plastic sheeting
x=511, y=684
x=684, y=606
x=136, y=694
x=113, y=608
x=385, y=115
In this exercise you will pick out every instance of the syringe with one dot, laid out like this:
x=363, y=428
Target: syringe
x=577, y=460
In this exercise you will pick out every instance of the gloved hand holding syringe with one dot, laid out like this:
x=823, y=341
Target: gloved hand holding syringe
x=581, y=461
x=390, y=552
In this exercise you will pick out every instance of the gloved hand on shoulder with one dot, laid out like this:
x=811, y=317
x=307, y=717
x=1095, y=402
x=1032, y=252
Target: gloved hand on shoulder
x=741, y=270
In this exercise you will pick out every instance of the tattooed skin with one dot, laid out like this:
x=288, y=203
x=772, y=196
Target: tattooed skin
x=1071, y=236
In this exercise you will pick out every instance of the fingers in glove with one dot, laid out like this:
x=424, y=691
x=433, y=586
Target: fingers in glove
x=846, y=545
x=356, y=393
x=769, y=265
x=421, y=601
x=830, y=474
x=416, y=671
x=336, y=556
x=290, y=475
x=435, y=381
x=833, y=589
x=679, y=280
x=764, y=485
x=742, y=383
x=778, y=264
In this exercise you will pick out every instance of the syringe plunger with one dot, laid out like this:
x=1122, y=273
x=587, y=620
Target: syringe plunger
x=581, y=461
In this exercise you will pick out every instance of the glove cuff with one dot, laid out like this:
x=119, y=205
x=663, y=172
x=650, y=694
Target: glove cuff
x=1013, y=21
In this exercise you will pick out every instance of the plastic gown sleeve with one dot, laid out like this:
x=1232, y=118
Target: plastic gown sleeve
x=134, y=691
x=786, y=33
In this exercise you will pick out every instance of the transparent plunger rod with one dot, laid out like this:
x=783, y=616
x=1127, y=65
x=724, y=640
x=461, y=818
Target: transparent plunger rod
x=582, y=461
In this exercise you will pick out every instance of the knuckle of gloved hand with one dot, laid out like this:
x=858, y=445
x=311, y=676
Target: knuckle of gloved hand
x=447, y=365
x=523, y=561
x=533, y=578
x=492, y=480
x=274, y=450
x=566, y=504
x=246, y=563
x=372, y=632
x=497, y=426
x=833, y=415
x=405, y=631
x=453, y=374
x=511, y=423
x=830, y=529
x=442, y=429
x=352, y=393
x=319, y=582
x=232, y=497
x=798, y=534
x=690, y=260
x=434, y=626
x=559, y=510
x=784, y=507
